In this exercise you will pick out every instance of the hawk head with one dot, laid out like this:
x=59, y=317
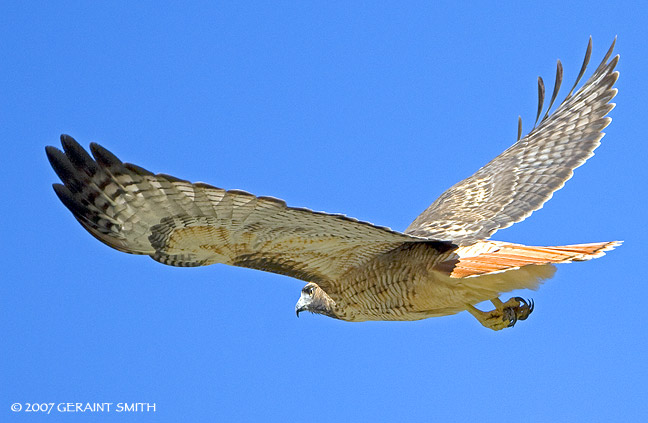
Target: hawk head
x=314, y=299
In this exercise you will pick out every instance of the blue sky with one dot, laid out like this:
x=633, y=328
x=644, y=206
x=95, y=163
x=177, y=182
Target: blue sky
x=368, y=109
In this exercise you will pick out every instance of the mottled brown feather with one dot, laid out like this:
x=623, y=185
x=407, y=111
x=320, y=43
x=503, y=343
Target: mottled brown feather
x=522, y=178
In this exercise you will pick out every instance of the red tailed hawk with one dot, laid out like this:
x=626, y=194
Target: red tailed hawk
x=355, y=271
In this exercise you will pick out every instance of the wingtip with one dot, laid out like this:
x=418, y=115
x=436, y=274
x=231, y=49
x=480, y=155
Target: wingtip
x=66, y=138
x=67, y=198
x=608, y=54
x=51, y=151
x=77, y=155
x=103, y=156
x=541, y=97
x=68, y=141
x=60, y=163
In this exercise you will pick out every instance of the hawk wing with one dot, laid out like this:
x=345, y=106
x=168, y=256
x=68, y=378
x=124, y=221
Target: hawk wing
x=522, y=178
x=193, y=224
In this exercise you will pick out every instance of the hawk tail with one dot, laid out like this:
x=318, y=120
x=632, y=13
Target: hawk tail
x=501, y=257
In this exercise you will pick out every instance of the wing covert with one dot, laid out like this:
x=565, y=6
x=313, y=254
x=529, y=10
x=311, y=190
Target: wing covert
x=180, y=223
x=521, y=179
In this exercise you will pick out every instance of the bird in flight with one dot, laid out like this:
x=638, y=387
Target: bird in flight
x=442, y=264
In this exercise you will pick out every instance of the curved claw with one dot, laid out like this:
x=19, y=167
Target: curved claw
x=526, y=309
x=510, y=315
x=521, y=300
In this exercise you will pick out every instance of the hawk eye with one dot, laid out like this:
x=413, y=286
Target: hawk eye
x=309, y=290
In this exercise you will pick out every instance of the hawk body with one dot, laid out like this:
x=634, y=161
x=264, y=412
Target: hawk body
x=442, y=264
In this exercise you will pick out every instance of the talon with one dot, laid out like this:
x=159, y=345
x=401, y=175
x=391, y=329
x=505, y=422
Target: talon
x=505, y=314
x=511, y=316
x=526, y=310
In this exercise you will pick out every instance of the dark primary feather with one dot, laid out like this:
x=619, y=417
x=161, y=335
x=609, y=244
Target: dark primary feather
x=184, y=224
x=588, y=55
x=541, y=95
x=557, y=84
x=522, y=178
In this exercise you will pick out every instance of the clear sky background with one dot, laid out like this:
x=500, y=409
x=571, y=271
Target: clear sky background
x=364, y=108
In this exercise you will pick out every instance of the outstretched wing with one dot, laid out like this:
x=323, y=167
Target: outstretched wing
x=183, y=224
x=522, y=178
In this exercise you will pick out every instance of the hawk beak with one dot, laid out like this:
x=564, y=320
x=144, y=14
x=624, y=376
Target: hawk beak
x=300, y=306
x=299, y=309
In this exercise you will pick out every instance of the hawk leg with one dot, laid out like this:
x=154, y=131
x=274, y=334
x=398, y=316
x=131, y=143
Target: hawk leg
x=505, y=314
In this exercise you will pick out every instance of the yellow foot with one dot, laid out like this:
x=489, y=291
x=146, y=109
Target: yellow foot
x=505, y=314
